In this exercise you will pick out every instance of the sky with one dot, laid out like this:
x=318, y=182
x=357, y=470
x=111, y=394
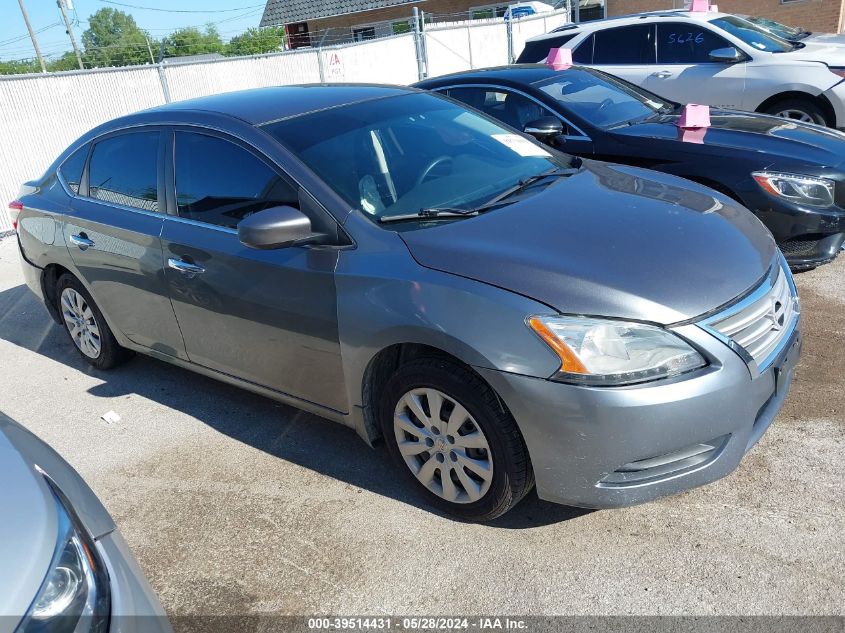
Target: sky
x=159, y=17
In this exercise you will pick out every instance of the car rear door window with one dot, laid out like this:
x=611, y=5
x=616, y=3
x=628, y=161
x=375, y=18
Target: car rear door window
x=221, y=183
x=71, y=169
x=625, y=45
x=124, y=170
x=686, y=43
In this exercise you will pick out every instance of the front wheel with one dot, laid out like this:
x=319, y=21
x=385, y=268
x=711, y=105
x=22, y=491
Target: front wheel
x=456, y=444
x=802, y=110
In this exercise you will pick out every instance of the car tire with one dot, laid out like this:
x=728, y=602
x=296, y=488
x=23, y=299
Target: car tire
x=798, y=109
x=463, y=443
x=84, y=324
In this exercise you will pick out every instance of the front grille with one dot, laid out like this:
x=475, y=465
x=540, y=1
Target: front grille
x=800, y=247
x=759, y=324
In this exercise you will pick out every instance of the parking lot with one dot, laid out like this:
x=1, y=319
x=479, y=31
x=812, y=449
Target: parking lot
x=235, y=504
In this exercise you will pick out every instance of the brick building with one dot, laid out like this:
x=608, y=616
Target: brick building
x=814, y=15
x=312, y=22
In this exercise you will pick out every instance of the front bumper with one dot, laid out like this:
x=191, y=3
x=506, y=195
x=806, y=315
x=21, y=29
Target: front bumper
x=807, y=236
x=613, y=447
x=134, y=606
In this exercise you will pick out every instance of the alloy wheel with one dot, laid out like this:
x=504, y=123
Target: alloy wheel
x=81, y=323
x=796, y=115
x=443, y=445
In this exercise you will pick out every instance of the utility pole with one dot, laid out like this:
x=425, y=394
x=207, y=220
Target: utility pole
x=32, y=36
x=69, y=29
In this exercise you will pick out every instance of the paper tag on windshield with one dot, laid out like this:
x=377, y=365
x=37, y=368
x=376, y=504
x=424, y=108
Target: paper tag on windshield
x=520, y=145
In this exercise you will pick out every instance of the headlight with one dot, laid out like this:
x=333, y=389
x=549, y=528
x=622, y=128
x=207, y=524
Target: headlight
x=74, y=596
x=605, y=352
x=807, y=190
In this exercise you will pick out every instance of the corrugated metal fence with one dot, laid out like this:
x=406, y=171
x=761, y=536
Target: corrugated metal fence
x=40, y=115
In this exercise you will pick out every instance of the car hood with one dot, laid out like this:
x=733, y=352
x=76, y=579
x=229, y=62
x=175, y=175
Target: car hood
x=755, y=133
x=28, y=533
x=611, y=241
x=826, y=39
x=817, y=51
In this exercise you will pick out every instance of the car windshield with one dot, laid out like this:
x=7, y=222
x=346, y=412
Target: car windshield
x=402, y=155
x=602, y=100
x=753, y=35
x=781, y=30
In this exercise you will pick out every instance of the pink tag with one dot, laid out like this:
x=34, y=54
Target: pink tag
x=699, y=5
x=559, y=58
x=692, y=135
x=694, y=116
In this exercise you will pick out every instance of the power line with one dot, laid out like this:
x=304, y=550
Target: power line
x=134, y=6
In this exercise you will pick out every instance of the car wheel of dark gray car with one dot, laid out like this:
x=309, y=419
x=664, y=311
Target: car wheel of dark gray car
x=451, y=436
x=86, y=326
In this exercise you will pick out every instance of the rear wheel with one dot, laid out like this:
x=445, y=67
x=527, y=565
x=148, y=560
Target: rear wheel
x=455, y=443
x=798, y=109
x=85, y=325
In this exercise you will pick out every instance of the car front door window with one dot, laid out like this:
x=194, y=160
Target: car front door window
x=687, y=43
x=220, y=183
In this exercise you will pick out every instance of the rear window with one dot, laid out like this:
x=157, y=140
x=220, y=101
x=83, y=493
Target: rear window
x=71, y=169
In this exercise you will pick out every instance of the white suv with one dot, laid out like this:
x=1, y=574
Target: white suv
x=713, y=58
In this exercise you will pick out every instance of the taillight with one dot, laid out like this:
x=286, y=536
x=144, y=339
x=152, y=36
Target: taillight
x=15, y=207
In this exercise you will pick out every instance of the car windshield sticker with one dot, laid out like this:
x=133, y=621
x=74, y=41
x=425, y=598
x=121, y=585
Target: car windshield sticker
x=520, y=145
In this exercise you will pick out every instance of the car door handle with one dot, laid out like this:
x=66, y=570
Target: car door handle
x=662, y=74
x=186, y=268
x=81, y=241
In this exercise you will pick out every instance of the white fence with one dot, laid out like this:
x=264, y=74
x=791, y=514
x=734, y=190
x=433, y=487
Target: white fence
x=40, y=115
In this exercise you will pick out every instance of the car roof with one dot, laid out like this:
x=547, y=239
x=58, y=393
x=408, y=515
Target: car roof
x=625, y=20
x=516, y=73
x=261, y=105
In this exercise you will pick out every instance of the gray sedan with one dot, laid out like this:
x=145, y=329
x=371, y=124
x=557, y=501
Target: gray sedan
x=65, y=565
x=498, y=312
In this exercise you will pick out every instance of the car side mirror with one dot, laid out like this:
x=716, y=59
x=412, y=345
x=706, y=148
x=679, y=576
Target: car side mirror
x=728, y=55
x=544, y=129
x=276, y=227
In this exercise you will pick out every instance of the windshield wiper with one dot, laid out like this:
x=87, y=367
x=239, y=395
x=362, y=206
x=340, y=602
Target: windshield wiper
x=523, y=184
x=452, y=212
x=433, y=212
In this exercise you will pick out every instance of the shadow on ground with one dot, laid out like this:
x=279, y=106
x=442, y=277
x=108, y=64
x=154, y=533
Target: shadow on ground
x=317, y=444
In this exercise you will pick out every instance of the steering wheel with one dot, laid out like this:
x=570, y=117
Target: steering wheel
x=440, y=160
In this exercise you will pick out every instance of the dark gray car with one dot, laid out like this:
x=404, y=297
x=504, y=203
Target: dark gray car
x=65, y=566
x=497, y=311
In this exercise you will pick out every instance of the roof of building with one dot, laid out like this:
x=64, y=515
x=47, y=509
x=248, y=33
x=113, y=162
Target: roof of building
x=279, y=12
x=261, y=105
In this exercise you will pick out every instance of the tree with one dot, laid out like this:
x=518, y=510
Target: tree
x=255, y=41
x=19, y=66
x=114, y=39
x=192, y=41
x=67, y=61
